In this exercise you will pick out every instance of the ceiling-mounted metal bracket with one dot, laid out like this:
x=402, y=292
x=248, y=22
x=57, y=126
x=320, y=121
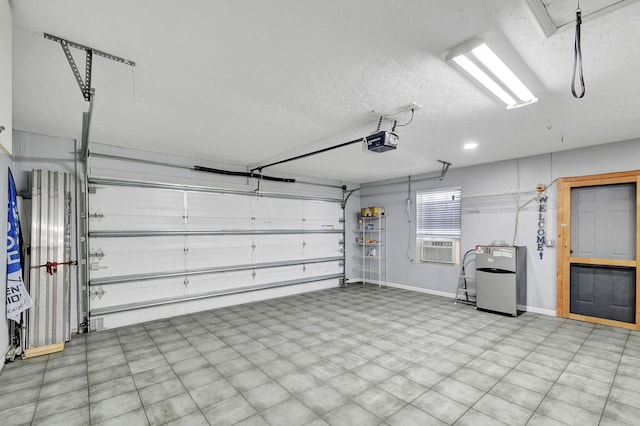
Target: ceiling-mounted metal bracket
x=85, y=86
x=445, y=167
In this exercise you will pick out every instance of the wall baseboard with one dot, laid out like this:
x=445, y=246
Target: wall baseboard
x=535, y=310
x=542, y=311
x=422, y=290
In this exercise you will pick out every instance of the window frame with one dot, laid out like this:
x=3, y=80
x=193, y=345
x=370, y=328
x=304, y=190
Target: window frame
x=444, y=227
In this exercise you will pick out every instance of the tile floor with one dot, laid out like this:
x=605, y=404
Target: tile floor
x=353, y=356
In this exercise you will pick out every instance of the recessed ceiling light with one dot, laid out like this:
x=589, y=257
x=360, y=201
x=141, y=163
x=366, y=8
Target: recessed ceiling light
x=470, y=145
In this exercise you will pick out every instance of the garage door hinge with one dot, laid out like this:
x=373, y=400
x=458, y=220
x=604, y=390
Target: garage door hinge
x=304, y=244
x=99, y=292
x=91, y=189
x=98, y=253
x=186, y=250
x=304, y=268
x=253, y=247
x=253, y=274
x=96, y=215
x=186, y=282
x=253, y=218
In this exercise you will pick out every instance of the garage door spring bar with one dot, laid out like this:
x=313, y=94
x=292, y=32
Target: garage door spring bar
x=85, y=86
x=53, y=266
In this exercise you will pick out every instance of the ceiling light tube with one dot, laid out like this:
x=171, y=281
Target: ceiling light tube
x=477, y=59
x=500, y=70
x=484, y=79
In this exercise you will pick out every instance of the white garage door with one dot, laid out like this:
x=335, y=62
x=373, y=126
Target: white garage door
x=158, y=252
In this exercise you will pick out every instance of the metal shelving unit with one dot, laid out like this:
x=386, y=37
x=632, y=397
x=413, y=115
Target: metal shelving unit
x=371, y=242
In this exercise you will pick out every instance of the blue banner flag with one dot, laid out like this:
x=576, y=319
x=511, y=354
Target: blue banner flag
x=18, y=299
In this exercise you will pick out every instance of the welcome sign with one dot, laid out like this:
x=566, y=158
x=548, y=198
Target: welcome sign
x=542, y=221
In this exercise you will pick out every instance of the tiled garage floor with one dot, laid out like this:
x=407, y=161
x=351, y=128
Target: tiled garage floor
x=354, y=356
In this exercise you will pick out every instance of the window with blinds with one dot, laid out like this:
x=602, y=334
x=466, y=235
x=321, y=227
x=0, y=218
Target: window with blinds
x=438, y=212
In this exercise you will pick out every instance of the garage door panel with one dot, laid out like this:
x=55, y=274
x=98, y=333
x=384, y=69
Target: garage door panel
x=277, y=213
x=272, y=293
x=322, y=245
x=121, y=319
x=139, y=255
x=138, y=292
x=322, y=224
x=219, y=223
x=203, y=284
x=274, y=248
x=325, y=268
x=129, y=201
x=219, y=211
x=124, y=208
x=215, y=251
x=135, y=223
x=218, y=302
x=269, y=223
x=321, y=285
x=322, y=215
x=283, y=273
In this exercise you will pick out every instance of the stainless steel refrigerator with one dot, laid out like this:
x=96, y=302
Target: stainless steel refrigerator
x=501, y=279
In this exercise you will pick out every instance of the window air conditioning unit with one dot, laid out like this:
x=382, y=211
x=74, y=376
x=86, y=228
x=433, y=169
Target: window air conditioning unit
x=440, y=251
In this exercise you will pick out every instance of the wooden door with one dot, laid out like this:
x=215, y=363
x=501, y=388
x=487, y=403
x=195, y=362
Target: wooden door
x=598, y=248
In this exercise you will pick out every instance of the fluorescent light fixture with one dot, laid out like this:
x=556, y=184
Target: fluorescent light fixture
x=481, y=63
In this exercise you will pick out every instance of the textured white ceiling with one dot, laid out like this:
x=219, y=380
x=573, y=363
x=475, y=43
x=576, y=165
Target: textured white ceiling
x=250, y=82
